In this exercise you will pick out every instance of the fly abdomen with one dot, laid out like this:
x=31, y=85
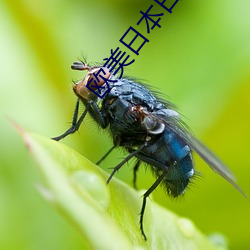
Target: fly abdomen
x=180, y=166
x=178, y=176
x=168, y=154
x=177, y=147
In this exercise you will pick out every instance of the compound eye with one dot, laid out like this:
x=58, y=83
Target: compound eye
x=95, y=79
x=153, y=126
x=98, y=76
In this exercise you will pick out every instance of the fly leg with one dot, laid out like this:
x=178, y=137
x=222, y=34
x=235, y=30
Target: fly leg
x=125, y=160
x=145, y=196
x=95, y=112
x=105, y=155
x=135, y=169
x=75, y=124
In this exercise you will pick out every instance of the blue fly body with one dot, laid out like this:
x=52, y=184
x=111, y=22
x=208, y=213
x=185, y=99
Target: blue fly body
x=148, y=127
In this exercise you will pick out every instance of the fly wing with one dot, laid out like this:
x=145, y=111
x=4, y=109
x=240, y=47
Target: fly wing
x=175, y=124
x=208, y=156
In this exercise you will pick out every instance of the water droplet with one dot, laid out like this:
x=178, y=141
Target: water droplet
x=94, y=185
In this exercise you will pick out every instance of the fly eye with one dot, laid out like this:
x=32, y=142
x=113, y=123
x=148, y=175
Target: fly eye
x=98, y=76
x=153, y=126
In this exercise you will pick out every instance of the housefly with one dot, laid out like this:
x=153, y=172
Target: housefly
x=148, y=127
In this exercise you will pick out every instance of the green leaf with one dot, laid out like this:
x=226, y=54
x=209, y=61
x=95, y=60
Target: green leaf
x=107, y=215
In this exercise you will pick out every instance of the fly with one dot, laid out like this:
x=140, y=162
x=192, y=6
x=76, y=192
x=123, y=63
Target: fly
x=149, y=128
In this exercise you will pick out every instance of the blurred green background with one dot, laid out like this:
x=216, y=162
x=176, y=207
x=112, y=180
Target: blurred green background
x=199, y=58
